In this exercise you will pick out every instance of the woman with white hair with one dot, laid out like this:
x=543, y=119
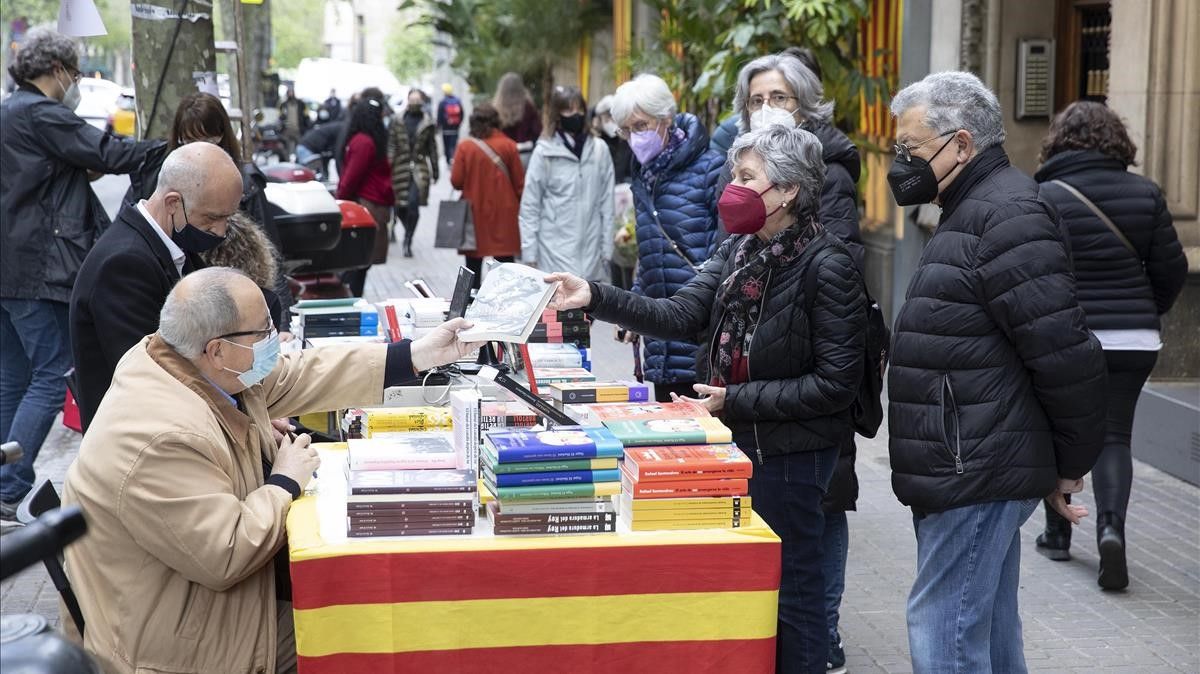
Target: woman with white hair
x=675, y=195
x=780, y=377
x=49, y=218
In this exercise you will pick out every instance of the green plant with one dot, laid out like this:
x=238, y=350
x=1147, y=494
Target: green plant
x=410, y=49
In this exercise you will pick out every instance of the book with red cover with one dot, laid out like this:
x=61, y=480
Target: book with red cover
x=683, y=488
x=687, y=462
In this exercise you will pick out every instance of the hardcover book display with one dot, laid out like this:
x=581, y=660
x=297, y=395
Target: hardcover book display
x=551, y=482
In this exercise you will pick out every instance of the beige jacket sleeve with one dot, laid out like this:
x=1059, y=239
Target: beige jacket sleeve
x=329, y=378
x=179, y=504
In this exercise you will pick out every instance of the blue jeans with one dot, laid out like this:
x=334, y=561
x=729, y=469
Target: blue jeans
x=787, y=492
x=836, y=541
x=35, y=354
x=962, y=612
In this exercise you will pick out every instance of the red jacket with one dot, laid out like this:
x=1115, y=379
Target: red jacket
x=494, y=199
x=365, y=176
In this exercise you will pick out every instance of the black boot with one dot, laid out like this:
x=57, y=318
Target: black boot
x=1055, y=542
x=1110, y=539
x=408, y=245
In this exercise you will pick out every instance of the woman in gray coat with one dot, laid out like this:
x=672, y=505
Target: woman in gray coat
x=567, y=210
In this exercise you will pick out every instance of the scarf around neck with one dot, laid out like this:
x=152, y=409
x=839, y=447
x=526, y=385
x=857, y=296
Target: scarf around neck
x=741, y=294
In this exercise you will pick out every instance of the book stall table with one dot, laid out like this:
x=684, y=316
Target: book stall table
x=655, y=601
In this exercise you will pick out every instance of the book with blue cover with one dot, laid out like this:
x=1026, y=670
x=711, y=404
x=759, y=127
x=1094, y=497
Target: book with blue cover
x=562, y=442
x=555, y=477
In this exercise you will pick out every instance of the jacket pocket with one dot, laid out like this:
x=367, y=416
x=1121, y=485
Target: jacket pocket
x=951, y=434
x=70, y=241
x=195, y=612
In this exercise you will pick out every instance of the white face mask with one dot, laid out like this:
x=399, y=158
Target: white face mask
x=610, y=128
x=71, y=94
x=768, y=116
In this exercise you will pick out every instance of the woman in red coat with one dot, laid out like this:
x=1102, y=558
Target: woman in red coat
x=367, y=179
x=492, y=185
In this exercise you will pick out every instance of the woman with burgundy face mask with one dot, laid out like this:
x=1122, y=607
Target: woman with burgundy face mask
x=567, y=207
x=782, y=376
x=675, y=200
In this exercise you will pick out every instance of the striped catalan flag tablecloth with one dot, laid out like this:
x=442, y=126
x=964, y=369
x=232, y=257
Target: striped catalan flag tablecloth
x=677, y=601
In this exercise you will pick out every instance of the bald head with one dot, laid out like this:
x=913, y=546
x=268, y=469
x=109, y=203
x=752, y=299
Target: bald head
x=197, y=184
x=207, y=304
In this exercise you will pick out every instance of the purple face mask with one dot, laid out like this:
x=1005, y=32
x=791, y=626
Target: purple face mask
x=646, y=145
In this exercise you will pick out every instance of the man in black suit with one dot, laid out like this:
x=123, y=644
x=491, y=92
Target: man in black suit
x=127, y=275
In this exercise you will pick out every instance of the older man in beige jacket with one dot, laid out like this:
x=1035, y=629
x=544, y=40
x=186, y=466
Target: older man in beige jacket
x=186, y=491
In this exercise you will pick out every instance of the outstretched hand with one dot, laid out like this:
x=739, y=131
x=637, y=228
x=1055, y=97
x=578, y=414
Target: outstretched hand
x=442, y=345
x=713, y=400
x=572, y=292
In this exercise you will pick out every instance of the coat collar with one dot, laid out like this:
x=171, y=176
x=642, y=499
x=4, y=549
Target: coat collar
x=235, y=422
x=1075, y=161
x=976, y=171
x=132, y=218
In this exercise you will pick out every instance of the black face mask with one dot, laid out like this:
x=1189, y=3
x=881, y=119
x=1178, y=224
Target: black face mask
x=572, y=124
x=192, y=239
x=913, y=182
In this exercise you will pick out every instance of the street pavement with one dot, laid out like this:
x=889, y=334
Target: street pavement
x=1070, y=625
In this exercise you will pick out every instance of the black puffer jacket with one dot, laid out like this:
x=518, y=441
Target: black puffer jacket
x=839, y=194
x=996, y=385
x=802, y=378
x=49, y=216
x=1116, y=290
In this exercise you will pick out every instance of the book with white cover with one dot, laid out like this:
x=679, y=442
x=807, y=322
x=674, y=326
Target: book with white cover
x=508, y=305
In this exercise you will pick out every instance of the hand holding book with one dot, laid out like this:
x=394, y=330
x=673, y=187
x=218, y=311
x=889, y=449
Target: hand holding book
x=442, y=345
x=572, y=293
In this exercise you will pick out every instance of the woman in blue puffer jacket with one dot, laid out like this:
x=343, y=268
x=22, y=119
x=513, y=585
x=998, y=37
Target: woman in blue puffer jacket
x=675, y=196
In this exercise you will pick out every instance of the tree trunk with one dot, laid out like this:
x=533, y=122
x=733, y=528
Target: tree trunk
x=256, y=51
x=164, y=75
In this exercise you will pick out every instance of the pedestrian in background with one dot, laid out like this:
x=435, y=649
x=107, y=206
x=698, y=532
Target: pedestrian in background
x=333, y=105
x=293, y=120
x=675, y=191
x=367, y=179
x=1129, y=269
x=412, y=149
x=449, y=119
x=489, y=173
x=567, y=207
x=49, y=219
x=519, y=117
x=996, y=387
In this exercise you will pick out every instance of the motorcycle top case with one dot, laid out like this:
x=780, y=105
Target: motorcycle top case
x=354, y=249
x=307, y=217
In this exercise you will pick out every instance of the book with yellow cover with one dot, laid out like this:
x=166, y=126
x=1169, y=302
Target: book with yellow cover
x=639, y=524
x=668, y=507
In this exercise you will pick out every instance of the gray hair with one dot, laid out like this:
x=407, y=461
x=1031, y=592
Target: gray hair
x=604, y=107
x=955, y=100
x=190, y=320
x=41, y=52
x=806, y=87
x=181, y=173
x=647, y=93
x=791, y=158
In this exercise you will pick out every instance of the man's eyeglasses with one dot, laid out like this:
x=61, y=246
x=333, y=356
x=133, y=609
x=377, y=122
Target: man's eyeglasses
x=904, y=152
x=778, y=99
x=265, y=332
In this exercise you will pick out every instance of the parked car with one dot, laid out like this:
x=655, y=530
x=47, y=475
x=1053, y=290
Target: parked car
x=123, y=120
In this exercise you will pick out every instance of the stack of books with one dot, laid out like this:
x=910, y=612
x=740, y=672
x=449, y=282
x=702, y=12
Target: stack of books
x=563, y=327
x=552, y=482
x=384, y=422
x=562, y=375
x=410, y=485
x=598, y=392
x=681, y=473
x=359, y=319
x=559, y=355
x=472, y=414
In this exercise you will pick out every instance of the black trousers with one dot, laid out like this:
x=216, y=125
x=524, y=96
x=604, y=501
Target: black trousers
x=408, y=211
x=1112, y=478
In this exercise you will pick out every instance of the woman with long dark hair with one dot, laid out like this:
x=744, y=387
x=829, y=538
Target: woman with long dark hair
x=367, y=179
x=1129, y=268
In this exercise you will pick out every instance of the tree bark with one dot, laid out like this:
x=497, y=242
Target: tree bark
x=256, y=51
x=163, y=74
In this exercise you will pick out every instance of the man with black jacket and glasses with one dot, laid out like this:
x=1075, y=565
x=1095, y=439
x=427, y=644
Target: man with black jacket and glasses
x=996, y=386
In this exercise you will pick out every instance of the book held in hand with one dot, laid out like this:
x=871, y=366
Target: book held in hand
x=508, y=304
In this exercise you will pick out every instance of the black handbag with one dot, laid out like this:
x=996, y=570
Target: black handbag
x=455, y=228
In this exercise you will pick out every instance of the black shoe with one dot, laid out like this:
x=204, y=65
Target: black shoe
x=1110, y=539
x=408, y=249
x=1055, y=542
x=836, y=663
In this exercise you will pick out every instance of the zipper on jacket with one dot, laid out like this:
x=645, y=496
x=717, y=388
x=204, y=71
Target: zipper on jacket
x=947, y=395
x=762, y=305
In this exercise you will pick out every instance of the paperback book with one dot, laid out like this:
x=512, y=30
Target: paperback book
x=556, y=491
x=563, y=442
x=363, y=482
x=655, y=432
x=508, y=305
x=421, y=450
x=552, y=477
x=683, y=462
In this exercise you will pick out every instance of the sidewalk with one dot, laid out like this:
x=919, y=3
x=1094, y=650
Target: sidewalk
x=1070, y=625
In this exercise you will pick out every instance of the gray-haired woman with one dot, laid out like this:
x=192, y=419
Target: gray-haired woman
x=49, y=218
x=780, y=378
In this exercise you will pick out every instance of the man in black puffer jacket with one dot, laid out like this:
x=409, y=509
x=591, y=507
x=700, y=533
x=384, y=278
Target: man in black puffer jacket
x=996, y=385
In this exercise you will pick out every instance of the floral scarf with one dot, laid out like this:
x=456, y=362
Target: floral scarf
x=741, y=295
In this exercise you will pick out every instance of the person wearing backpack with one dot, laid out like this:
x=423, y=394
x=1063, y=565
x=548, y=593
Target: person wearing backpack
x=449, y=118
x=1129, y=267
x=781, y=370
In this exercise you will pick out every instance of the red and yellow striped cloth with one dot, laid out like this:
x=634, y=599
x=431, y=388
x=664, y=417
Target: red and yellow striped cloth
x=681, y=601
